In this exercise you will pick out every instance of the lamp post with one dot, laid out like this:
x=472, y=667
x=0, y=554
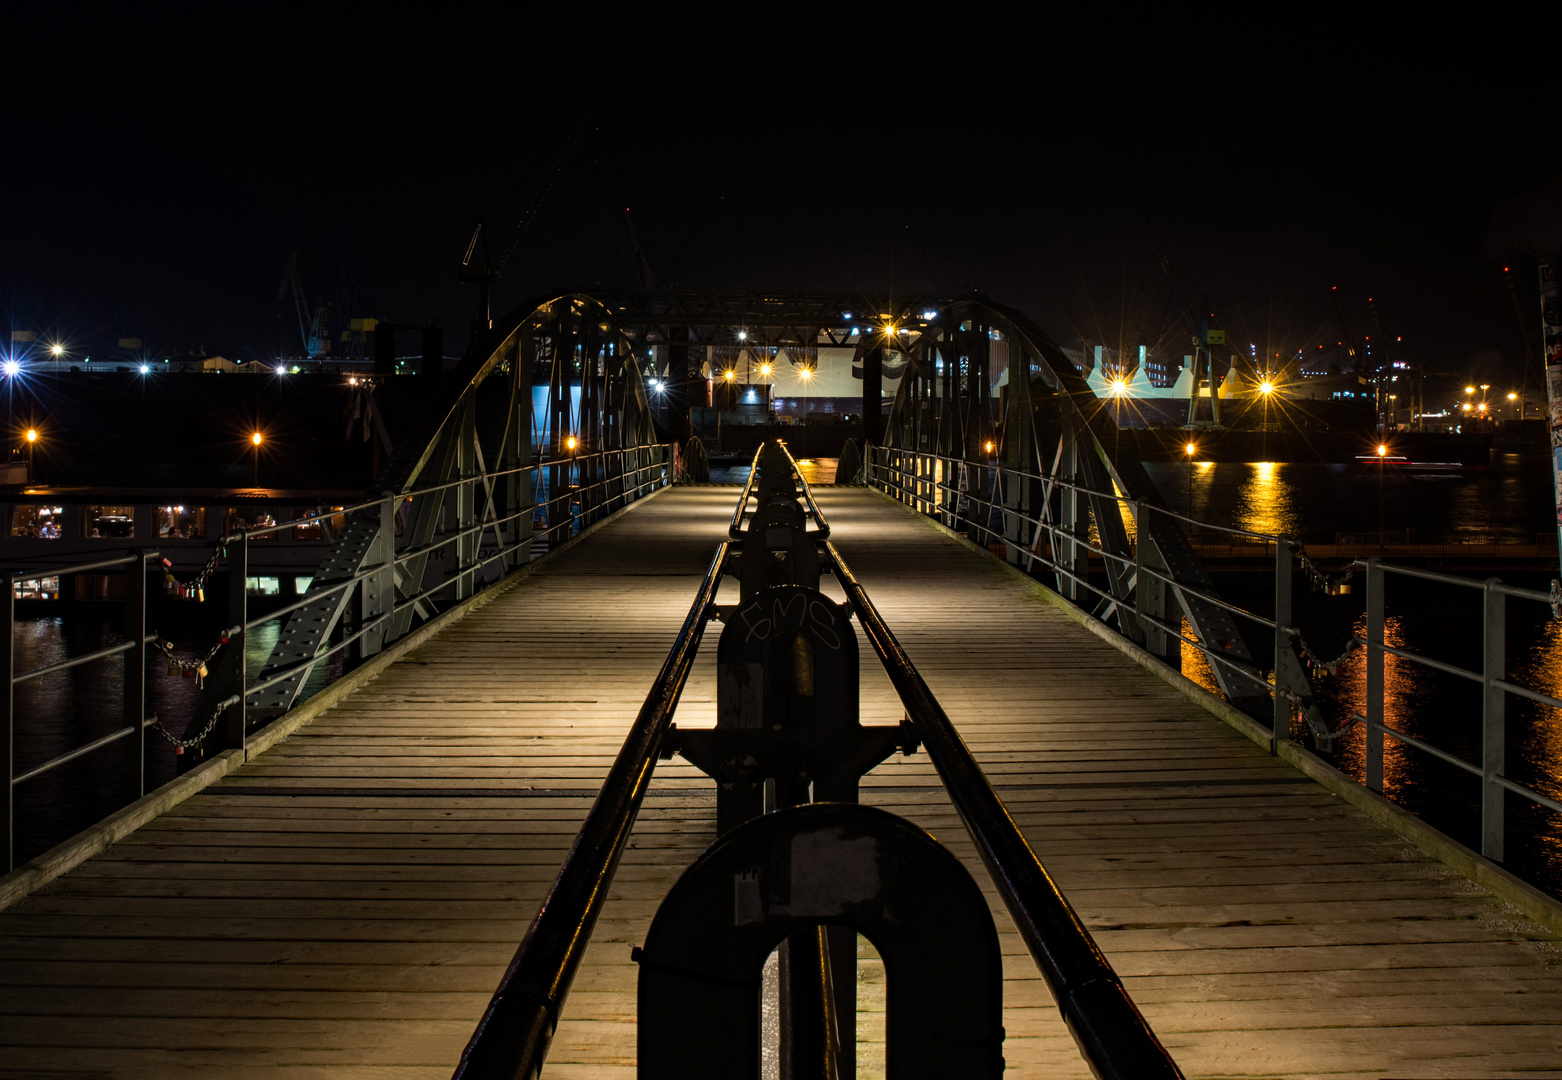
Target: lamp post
x=32, y=437
x=1382, y=468
x=1190, y=449
x=255, y=439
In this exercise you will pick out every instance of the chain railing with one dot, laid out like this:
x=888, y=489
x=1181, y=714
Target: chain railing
x=612, y=480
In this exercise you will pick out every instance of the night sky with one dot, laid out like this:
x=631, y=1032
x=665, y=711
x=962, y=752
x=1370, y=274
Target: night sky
x=162, y=168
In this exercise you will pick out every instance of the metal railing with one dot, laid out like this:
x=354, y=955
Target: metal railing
x=939, y=498
x=1111, y=1033
x=511, y=1039
x=644, y=469
x=133, y=693
x=1492, y=678
x=947, y=504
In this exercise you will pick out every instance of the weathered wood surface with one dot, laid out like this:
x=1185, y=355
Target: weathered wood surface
x=348, y=901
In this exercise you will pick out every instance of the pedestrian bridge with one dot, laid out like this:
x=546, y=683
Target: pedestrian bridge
x=346, y=900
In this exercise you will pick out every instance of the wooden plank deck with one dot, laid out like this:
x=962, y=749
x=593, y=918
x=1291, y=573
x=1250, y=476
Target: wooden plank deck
x=347, y=901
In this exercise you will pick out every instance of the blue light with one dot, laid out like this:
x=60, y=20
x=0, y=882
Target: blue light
x=930, y=315
x=846, y=314
x=12, y=369
x=146, y=369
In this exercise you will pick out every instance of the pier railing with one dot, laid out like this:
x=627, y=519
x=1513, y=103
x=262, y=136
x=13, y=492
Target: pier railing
x=980, y=506
x=134, y=720
x=1492, y=678
x=562, y=494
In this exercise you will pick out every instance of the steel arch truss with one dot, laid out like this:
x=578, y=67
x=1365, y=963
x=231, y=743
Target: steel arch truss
x=454, y=508
x=1027, y=458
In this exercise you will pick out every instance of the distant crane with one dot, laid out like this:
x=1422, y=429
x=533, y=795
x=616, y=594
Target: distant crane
x=485, y=270
x=312, y=330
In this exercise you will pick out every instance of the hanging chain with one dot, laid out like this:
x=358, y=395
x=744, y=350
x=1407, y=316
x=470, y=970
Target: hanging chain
x=187, y=742
x=1326, y=583
x=1316, y=665
x=195, y=588
x=196, y=669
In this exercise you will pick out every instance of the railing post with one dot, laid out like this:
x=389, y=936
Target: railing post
x=1282, y=713
x=1494, y=719
x=8, y=727
x=238, y=616
x=1374, y=748
x=133, y=697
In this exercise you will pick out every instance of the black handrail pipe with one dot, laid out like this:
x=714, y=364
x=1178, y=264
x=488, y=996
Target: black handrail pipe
x=735, y=530
x=821, y=526
x=512, y=1038
x=1111, y=1033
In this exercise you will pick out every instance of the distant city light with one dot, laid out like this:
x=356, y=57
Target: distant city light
x=930, y=315
x=656, y=384
x=1190, y=448
x=281, y=369
x=806, y=373
x=729, y=375
x=742, y=335
x=1266, y=387
x=12, y=368
x=846, y=315
x=256, y=438
x=32, y=434
x=146, y=369
x=57, y=349
x=764, y=369
x=1118, y=386
x=571, y=442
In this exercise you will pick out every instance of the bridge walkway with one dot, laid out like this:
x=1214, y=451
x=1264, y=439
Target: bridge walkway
x=348, y=900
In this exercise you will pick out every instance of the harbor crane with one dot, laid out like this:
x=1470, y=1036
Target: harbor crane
x=312, y=329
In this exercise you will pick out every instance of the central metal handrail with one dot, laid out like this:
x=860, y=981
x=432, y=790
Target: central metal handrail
x=735, y=530
x=822, y=527
x=512, y=1037
x=1111, y=1033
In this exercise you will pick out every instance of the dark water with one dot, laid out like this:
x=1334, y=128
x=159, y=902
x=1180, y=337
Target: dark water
x=1512, y=502
x=61, y=711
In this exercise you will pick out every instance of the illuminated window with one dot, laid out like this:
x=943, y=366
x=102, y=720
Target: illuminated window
x=181, y=522
x=301, y=583
x=263, y=586
x=38, y=522
x=237, y=519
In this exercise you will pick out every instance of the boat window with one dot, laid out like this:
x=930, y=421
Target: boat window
x=108, y=522
x=181, y=522
x=236, y=519
x=263, y=586
x=39, y=522
x=322, y=523
x=37, y=589
x=301, y=583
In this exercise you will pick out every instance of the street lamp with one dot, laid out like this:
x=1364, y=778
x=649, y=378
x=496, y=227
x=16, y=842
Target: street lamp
x=805, y=374
x=255, y=439
x=1190, y=448
x=1382, y=468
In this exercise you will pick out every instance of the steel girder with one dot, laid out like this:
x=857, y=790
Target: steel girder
x=1052, y=425
x=477, y=424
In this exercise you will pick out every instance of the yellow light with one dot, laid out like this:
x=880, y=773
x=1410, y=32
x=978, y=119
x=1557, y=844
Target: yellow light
x=1513, y=397
x=1190, y=449
x=1266, y=388
x=989, y=446
x=728, y=375
x=57, y=350
x=32, y=434
x=1466, y=406
x=1382, y=450
x=1118, y=386
x=1481, y=407
x=352, y=380
x=257, y=438
x=805, y=373
x=1485, y=386
x=764, y=369
x=1469, y=389
x=569, y=443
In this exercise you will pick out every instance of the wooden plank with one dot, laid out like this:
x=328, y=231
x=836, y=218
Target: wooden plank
x=348, y=900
